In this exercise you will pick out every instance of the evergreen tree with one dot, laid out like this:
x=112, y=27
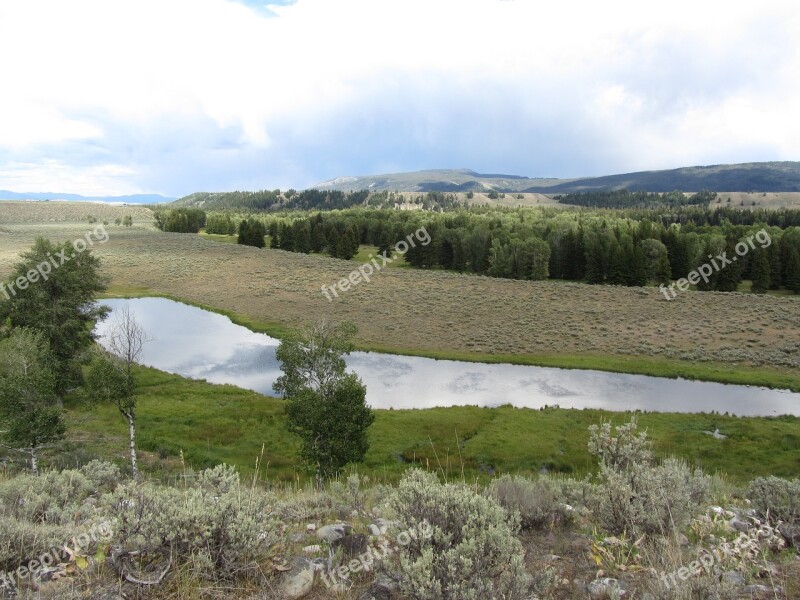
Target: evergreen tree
x=760, y=272
x=730, y=276
x=793, y=271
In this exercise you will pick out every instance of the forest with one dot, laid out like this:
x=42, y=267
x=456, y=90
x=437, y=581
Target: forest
x=618, y=247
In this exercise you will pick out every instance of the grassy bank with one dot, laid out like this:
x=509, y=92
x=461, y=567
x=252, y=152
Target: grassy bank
x=637, y=365
x=210, y=424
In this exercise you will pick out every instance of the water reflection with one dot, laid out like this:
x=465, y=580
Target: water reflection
x=203, y=345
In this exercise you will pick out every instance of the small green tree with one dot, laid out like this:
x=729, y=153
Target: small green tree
x=793, y=271
x=30, y=413
x=326, y=407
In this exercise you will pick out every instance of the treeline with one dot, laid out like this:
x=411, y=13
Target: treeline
x=635, y=199
x=180, y=220
x=595, y=247
x=313, y=199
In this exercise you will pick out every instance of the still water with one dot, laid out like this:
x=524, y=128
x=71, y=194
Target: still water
x=199, y=344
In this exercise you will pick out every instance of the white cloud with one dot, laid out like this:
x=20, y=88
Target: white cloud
x=575, y=86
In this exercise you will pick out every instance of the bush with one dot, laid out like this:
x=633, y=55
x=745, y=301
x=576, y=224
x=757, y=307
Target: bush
x=780, y=498
x=465, y=547
x=216, y=524
x=56, y=497
x=536, y=502
x=634, y=495
x=104, y=476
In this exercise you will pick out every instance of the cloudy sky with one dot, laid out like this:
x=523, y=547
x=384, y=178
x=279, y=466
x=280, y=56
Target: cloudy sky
x=176, y=96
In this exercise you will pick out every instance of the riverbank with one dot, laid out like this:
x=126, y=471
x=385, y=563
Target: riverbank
x=207, y=424
x=634, y=365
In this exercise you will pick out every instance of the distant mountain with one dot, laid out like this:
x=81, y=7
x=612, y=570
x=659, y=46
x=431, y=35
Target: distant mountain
x=746, y=177
x=130, y=199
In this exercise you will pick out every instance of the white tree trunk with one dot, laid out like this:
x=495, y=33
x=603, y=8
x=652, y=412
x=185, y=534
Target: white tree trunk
x=132, y=429
x=34, y=461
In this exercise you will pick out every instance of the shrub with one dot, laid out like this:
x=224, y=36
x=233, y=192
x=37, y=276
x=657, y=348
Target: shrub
x=780, y=498
x=216, y=523
x=634, y=495
x=471, y=551
x=56, y=497
x=536, y=502
x=22, y=541
x=104, y=476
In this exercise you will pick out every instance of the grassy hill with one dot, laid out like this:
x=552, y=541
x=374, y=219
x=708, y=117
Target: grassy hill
x=760, y=177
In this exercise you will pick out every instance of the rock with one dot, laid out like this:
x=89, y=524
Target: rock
x=682, y=540
x=311, y=528
x=759, y=591
x=605, y=589
x=738, y=525
x=353, y=545
x=717, y=510
x=330, y=533
x=553, y=558
x=299, y=580
x=380, y=590
x=374, y=529
x=733, y=578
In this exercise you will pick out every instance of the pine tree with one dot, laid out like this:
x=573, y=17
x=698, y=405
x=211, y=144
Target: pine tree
x=793, y=271
x=760, y=272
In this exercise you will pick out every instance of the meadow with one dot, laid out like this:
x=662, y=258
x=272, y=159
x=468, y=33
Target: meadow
x=727, y=337
x=209, y=424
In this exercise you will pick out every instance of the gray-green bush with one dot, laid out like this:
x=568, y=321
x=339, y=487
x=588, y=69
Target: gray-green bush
x=780, y=498
x=472, y=551
x=635, y=495
x=216, y=524
x=538, y=503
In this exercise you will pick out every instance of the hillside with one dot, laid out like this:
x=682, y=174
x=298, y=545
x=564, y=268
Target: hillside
x=749, y=177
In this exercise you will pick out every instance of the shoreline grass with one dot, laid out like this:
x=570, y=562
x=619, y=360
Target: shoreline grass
x=210, y=424
x=633, y=365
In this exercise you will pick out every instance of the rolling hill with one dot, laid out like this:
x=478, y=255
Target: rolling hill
x=746, y=177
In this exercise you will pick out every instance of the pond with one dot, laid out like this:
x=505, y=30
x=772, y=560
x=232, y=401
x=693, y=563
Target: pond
x=200, y=344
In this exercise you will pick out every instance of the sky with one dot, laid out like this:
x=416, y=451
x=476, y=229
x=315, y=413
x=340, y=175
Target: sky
x=104, y=97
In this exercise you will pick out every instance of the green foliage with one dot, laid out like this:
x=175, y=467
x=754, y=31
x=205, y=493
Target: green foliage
x=251, y=233
x=220, y=224
x=180, y=220
x=325, y=406
x=61, y=307
x=333, y=427
x=30, y=412
x=463, y=546
x=632, y=493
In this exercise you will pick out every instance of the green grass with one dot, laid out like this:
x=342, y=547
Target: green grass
x=218, y=237
x=213, y=423
x=367, y=253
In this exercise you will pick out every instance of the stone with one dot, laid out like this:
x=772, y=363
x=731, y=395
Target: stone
x=738, y=525
x=299, y=581
x=605, y=588
x=683, y=540
x=733, y=578
x=374, y=530
x=759, y=591
x=379, y=590
x=330, y=533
